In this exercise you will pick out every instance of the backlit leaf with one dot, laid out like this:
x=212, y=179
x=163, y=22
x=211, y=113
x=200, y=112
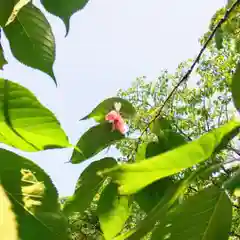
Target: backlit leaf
x=24, y=123
x=33, y=196
x=8, y=222
x=168, y=202
x=18, y=6
x=141, y=152
x=99, y=112
x=31, y=39
x=113, y=211
x=148, y=197
x=134, y=177
x=205, y=216
x=9, y=10
x=95, y=140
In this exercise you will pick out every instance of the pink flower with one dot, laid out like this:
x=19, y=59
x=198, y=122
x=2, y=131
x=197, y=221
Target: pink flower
x=117, y=121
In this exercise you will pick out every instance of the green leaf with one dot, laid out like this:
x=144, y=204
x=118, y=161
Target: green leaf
x=236, y=88
x=8, y=222
x=113, y=211
x=154, y=149
x=167, y=137
x=99, y=112
x=148, y=197
x=95, y=140
x=205, y=216
x=168, y=202
x=87, y=186
x=134, y=177
x=31, y=39
x=167, y=140
x=171, y=140
x=18, y=6
x=233, y=184
x=6, y=8
x=159, y=125
x=64, y=9
x=3, y=61
x=32, y=195
x=24, y=123
x=9, y=10
x=141, y=152
x=219, y=38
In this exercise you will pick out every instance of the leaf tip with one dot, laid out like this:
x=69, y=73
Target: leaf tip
x=66, y=21
x=54, y=79
x=84, y=118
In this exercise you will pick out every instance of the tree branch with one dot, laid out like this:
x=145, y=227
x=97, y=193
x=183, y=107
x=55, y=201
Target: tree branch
x=188, y=73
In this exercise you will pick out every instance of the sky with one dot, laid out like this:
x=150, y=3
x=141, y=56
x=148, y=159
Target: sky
x=111, y=42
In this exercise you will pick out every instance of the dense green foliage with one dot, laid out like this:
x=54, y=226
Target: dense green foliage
x=178, y=177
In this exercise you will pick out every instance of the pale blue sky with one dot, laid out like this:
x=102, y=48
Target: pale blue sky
x=111, y=42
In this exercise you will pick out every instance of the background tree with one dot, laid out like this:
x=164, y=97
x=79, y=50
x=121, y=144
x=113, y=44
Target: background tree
x=199, y=105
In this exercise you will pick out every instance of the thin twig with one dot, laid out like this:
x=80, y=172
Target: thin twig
x=182, y=132
x=188, y=73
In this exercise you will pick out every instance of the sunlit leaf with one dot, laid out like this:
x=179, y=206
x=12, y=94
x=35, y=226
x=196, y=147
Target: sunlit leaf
x=113, y=211
x=8, y=222
x=236, y=88
x=18, y=6
x=168, y=202
x=95, y=140
x=99, y=112
x=64, y=8
x=133, y=177
x=24, y=123
x=32, y=195
x=87, y=186
x=9, y=10
x=141, y=152
x=31, y=39
x=205, y=216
